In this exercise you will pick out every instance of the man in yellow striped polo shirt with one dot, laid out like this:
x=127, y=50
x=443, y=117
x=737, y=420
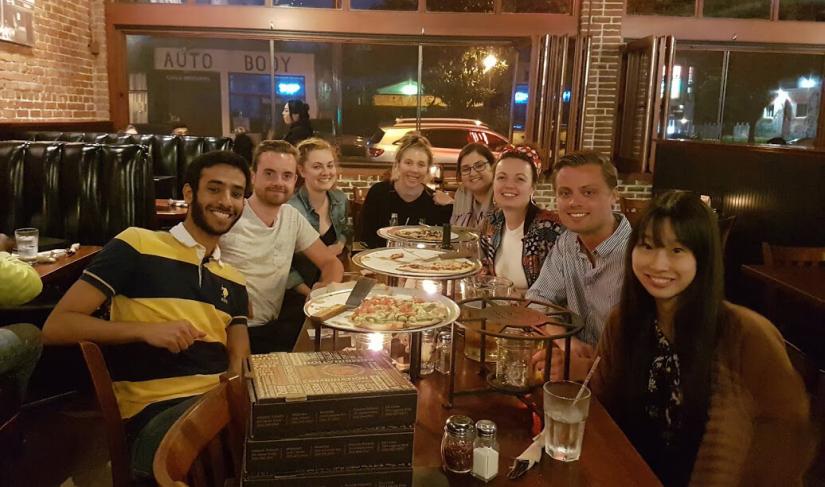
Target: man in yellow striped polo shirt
x=178, y=313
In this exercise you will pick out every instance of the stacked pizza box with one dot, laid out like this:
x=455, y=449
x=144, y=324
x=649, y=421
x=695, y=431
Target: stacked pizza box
x=329, y=419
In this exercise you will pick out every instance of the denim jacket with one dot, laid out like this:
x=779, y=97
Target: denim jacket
x=302, y=268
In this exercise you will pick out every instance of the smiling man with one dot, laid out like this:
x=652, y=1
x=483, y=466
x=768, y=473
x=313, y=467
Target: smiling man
x=178, y=313
x=264, y=241
x=585, y=268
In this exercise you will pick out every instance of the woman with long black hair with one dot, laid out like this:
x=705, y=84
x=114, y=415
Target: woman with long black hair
x=703, y=388
x=296, y=117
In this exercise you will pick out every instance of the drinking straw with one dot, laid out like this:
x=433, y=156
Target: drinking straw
x=586, y=380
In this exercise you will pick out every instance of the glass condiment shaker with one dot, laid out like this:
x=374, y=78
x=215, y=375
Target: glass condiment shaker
x=444, y=350
x=394, y=220
x=457, y=444
x=485, y=451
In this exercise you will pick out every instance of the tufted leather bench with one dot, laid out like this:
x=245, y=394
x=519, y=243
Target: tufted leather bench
x=80, y=192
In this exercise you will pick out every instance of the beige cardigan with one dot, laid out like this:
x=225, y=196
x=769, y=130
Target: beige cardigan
x=758, y=431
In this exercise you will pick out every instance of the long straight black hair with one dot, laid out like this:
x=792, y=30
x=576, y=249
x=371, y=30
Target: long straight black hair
x=697, y=325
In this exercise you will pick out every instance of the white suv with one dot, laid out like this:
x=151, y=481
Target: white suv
x=447, y=136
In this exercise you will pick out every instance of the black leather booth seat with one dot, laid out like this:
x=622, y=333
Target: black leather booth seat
x=170, y=154
x=84, y=193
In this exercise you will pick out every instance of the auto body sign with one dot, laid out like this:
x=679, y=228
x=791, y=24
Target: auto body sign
x=183, y=59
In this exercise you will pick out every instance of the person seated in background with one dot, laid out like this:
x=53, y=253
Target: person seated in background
x=405, y=194
x=703, y=388
x=178, y=311
x=584, y=270
x=180, y=129
x=264, y=241
x=243, y=145
x=517, y=236
x=324, y=207
x=296, y=117
x=474, y=197
x=20, y=343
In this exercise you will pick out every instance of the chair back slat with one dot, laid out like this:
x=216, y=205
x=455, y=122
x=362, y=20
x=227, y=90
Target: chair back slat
x=194, y=446
x=113, y=423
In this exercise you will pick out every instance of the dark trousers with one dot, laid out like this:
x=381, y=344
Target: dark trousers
x=280, y=335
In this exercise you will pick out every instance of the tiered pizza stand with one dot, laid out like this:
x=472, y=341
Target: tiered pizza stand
x=517, y=319
x=367, y=260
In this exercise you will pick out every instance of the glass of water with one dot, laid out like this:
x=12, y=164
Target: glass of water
x=26, y=241
x=564, y=420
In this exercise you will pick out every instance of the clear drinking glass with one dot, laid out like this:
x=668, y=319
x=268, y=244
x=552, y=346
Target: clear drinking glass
x=564, y=420
x=27, y=239
x=427, y=352
x=484, y=286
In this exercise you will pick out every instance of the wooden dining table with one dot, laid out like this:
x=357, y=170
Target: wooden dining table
x=168, y=215
x=807, y=283
x=67, y=267
x=608, y=457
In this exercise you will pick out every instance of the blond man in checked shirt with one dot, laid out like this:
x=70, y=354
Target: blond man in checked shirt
x=585, y=269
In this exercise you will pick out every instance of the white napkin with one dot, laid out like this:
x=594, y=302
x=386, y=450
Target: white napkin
x=528, y=458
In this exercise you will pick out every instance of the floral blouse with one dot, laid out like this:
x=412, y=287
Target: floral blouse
x=663, y=401
x=541, y=229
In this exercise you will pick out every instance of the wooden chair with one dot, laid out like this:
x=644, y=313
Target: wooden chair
x=792, y=256
x=113, y=423
x=814, y=379
x=633, y=209
x=204, y=447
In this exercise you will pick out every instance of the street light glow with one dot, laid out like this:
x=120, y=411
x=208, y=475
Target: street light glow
x=489, y=62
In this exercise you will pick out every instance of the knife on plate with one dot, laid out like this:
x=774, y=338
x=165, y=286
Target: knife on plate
x=455, y=254
x=356, y=297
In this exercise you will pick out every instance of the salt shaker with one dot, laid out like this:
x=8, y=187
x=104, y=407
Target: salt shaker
x=485, y=451
x=444, y=351
x=394, y=220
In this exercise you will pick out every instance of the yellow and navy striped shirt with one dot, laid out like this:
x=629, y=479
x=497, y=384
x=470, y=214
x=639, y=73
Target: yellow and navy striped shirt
x=154, y=277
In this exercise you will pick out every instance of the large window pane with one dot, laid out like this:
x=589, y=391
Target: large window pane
x=460, y=5
x=661, y=7
x=802, y=10
x=772, y=95
x=470, y=82
x=537, y=6
x=694, y=95
x=211, y=85
x=376, y=97
x=384, y=4
x=738, y=9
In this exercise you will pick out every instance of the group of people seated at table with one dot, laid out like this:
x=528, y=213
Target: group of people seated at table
x=702, y=388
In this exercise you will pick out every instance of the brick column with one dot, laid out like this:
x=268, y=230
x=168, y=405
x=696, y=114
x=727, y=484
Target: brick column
x=602, y=20
x=58, y=78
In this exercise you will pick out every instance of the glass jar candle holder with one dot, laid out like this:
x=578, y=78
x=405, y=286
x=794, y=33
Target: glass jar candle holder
x=513, y=365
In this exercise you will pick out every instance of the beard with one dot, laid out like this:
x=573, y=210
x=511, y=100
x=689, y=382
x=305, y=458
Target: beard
x=199, y=218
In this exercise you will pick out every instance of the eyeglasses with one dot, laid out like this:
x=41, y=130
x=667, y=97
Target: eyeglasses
x=478, y=166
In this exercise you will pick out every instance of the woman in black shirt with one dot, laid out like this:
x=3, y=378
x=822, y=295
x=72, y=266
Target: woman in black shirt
x=406, y=194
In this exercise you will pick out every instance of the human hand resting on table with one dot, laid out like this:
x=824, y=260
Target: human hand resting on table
x=336, y=248
x=175, y=336
x=582, y=356
x=441, y=198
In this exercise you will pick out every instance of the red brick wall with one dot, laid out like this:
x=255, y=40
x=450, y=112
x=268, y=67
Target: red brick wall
x=602, y=19
x=58, y=79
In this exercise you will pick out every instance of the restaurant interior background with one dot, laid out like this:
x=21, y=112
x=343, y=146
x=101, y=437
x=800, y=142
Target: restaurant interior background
x=682, y=93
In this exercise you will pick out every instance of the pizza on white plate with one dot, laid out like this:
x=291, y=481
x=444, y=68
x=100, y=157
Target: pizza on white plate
x=446, y=267
x=397, y=312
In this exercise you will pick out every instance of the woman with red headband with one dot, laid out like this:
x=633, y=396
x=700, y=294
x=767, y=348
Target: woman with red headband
x=518, y=235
